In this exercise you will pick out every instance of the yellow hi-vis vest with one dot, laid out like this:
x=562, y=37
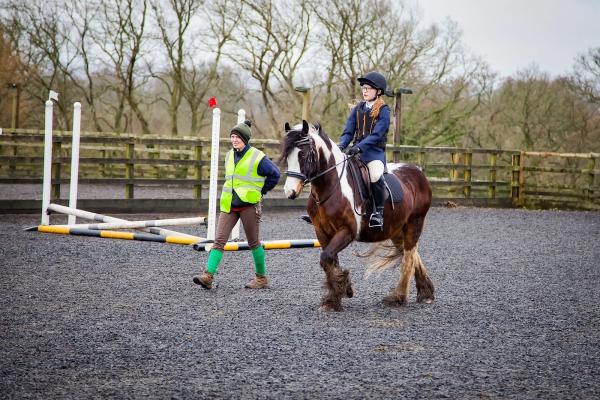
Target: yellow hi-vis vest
x=243, y=178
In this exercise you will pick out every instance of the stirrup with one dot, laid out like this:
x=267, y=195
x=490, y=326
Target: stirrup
x=306, y=219
x=376, y=221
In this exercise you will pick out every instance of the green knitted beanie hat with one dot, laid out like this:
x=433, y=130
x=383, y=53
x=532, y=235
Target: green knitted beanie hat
x=243, y=131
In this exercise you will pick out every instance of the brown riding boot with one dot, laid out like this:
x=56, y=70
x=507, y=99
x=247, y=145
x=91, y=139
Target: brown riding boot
x=259, y=282
x=205, y=280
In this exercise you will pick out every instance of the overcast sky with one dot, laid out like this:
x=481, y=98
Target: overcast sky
x=512, y=34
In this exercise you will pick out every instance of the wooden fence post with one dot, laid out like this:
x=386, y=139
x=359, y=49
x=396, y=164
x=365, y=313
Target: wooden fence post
x=468, y=157
x=198, y=171
x=591, y=175
x=454, y=170
x=455, y=157
x=130, y=154
x=514, y=178
x=102, y=165
x=13, y=167
x=421, y=160
x=521, y=201
x=56, y=162
x=493, y=177
x=156, y=154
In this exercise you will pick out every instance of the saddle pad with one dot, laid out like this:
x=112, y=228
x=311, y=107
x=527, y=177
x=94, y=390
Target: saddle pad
x=393, y=187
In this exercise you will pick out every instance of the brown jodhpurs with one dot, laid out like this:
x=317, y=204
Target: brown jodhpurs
x=250, y=217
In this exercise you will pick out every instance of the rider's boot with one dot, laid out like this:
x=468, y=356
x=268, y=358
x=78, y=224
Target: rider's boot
x=376, y=220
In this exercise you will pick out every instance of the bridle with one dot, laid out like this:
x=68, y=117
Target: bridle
x=306, y=179
x=311, y=159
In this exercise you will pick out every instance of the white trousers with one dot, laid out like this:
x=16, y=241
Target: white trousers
x=376, y=169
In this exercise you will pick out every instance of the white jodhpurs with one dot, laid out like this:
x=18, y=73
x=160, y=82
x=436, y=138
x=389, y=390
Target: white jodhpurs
x=376, y=169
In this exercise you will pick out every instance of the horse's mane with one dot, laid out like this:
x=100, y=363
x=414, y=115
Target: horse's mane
x=297, y=133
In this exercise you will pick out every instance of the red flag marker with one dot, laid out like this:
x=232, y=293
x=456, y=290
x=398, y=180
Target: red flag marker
x=212, y=102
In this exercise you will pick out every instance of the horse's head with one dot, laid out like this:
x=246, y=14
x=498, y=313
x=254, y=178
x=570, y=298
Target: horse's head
x=301, y=155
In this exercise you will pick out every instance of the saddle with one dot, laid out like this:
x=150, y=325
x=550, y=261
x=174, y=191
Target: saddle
x=359, y=172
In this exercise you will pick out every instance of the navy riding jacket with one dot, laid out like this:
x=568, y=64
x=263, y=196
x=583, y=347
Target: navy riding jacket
x=372, y=145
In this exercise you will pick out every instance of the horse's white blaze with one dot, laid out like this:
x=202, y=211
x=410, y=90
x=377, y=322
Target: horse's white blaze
x=292, y=184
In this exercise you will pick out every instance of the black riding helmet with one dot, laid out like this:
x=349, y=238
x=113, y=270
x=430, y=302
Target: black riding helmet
x=374, y=79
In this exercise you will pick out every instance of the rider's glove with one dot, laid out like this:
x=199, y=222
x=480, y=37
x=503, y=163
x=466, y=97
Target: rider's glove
x=353, y=150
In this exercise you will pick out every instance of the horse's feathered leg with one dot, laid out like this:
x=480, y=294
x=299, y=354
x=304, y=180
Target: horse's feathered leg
x=411, y=265
x=337, y=280
x=424, y=285
x=399, y=295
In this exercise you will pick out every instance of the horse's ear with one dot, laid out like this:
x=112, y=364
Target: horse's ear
x=287, y=127
x=304, y=126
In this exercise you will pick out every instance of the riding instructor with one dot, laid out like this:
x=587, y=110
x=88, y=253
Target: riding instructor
x=367, y=128
x=249, y=175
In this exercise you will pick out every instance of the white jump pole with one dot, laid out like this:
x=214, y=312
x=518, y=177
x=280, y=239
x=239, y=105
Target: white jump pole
x=104, y=218
x=138, y=224
x=47, y=183
x=235, y=233
x=214, y=174
x=74, y=160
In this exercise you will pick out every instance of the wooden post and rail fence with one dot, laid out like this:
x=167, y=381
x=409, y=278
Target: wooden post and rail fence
x=479, y=177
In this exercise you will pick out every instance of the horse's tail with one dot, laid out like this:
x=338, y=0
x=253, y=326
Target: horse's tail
x=382, y=256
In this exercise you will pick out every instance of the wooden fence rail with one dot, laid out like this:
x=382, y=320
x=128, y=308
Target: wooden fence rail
x=492, y=177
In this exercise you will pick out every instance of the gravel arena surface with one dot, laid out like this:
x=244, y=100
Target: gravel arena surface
x=516, y=316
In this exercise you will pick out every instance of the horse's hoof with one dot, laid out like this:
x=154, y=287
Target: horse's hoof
x=328, y=305
x=393, y=300
x=349, y=291
x=329, y=308
x=425, y=299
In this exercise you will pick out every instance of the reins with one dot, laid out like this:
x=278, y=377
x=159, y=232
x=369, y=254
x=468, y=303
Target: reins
x=311, y=179
x=332, y=191
x=320, y=174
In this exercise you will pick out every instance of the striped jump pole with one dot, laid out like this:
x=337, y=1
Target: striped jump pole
x=200, y=244
x=103, y=218
x=145, y=237
x=268, y=245
x=139, y=224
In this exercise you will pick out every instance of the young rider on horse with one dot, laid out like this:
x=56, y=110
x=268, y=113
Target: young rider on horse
x=249, y=175
x=367, y=126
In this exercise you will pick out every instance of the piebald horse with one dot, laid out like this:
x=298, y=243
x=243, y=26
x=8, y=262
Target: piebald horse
x=338, y=215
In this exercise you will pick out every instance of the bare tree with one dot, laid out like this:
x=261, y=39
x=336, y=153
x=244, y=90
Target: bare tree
x=204, y=72
x=173, y=19
x=84, y=77
x=120, y=38
x=40, y=38
x=9, y=78
x=270, y=47
x=586, y=76
x=533, y=112
x=346, y=34
x=359, y=36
